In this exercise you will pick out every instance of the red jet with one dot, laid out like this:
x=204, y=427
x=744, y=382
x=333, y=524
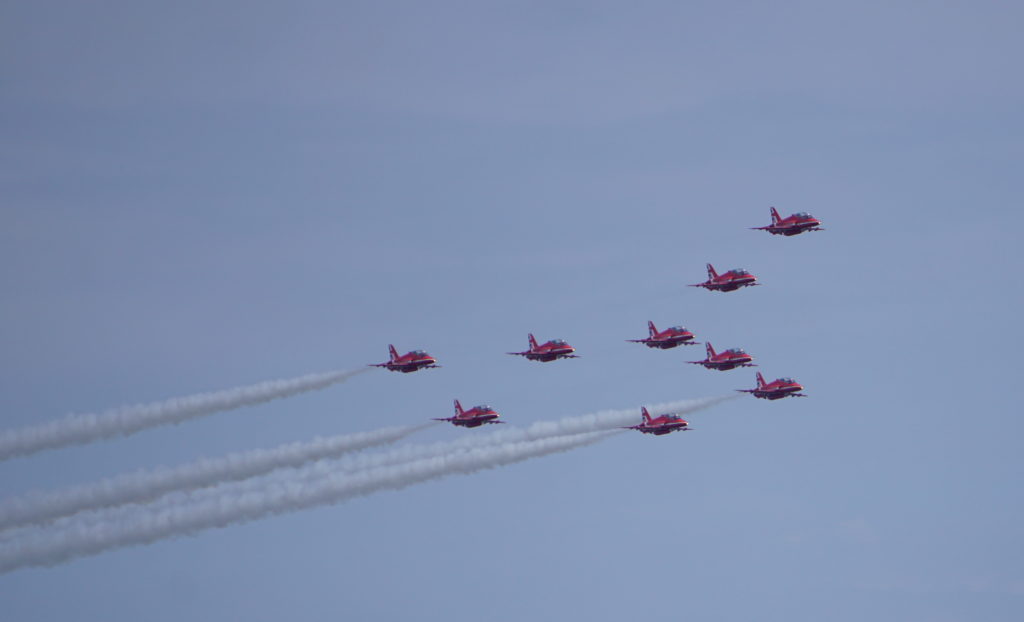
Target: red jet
x=731, y=280
x=554, y=349
x=792, y=224
x=472, y=418
x=660, y=425
x=408, y=362
x=776, y=389
x=668, y=338
x=723, y=361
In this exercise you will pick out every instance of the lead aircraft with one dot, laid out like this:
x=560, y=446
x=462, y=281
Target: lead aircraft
x=727, y=282
x=668, y=338
x=776, y=389
x=660, y=425
x=408, y=362
x=725, y=360
x=472, y=418
x=791, y=225
x=548, y=351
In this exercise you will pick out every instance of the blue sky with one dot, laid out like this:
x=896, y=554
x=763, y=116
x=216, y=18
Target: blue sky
x=198, y=197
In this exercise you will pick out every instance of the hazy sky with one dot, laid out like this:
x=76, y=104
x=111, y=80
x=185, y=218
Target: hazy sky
x=201, y=196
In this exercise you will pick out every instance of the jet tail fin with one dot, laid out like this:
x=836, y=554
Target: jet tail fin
x=458, y=408
x=651, y=329
x=775, y=216
x=760, y=380
x=646, y=415
x=711, y=272
x=710, y=349
x=533, y=342
x=393, y=351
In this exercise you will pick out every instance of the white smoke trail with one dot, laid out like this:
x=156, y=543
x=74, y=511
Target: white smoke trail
x=102, y=521
x=579, y=424
x=76, y=429
x=142, y=527
x=146, y=485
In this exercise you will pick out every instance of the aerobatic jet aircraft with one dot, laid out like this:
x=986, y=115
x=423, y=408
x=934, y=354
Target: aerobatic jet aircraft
x=549, y=351
x=728, y=359
x=792, y=224
x=776, y=389
x=731, y=280
x=472, y=418
x=660, y=425
x=668, y=338
x=408, y=362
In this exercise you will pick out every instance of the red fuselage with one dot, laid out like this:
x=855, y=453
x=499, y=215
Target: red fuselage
x=408, y=362
x=411, y=364
x=726, y=360
x=472, y=418
x=475, y=417
x=792, y=225
x=728, y=282
x=776, y=389
x=548, y=351
x=668, y=338
x=660, y=425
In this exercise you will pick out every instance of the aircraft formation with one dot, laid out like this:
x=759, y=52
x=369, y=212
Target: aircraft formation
x=134, y=508
x=673, y=337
